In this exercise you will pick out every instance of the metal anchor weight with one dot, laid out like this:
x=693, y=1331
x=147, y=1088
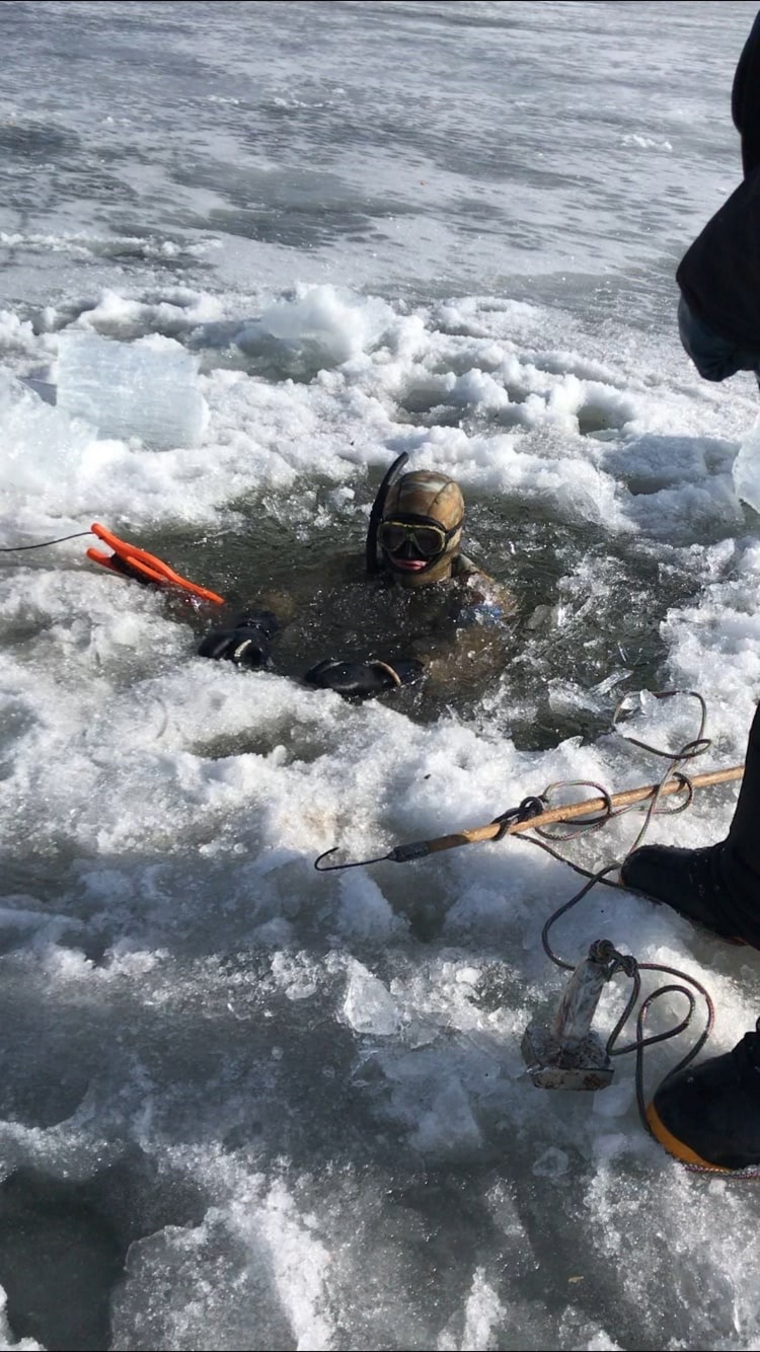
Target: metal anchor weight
x=567, y=1053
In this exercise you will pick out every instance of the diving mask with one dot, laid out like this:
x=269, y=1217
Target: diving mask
x=425, y=539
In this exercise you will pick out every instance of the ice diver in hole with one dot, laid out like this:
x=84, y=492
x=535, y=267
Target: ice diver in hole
x=707, y=1114
x=422, y=610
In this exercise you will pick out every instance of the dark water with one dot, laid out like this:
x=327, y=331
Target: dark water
x=589, y=608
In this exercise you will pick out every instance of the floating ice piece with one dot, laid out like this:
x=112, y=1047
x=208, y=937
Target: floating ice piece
x=38, y=443
x=147, y=389
x=746, y=468
x=369, y=1007
x=552, y=1164
x=609, y=682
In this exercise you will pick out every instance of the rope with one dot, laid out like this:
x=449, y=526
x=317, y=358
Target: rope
x=528, y=809
x=629, y=965
x=15, y=549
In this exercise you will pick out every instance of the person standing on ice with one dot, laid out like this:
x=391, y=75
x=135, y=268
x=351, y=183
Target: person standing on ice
x=709, y=1114
x=719, y=276
x=431, y=612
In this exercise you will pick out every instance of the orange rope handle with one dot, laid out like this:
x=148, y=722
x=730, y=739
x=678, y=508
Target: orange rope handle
x=154, y=569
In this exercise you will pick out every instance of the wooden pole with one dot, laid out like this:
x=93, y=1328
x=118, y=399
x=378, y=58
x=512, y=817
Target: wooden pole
x=564, y=813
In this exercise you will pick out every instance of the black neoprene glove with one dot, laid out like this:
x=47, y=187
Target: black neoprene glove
x=362, y=680
x=246, y=642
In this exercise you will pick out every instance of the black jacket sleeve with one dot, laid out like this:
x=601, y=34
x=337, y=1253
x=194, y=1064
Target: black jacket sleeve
x=745, y=99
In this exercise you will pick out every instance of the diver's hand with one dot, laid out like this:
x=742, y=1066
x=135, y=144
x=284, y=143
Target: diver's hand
x=246, y=642
x=362, y=680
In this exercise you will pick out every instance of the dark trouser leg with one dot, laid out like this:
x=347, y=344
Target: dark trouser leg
x=744, y=832
x=714, y=357
x=717, y=887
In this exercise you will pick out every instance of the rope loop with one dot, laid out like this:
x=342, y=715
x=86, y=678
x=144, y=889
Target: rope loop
x=693, y=748
x=584, y=826
x=530, y=807
x=687, y=787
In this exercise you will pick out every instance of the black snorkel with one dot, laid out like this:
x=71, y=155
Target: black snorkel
x=378, y=507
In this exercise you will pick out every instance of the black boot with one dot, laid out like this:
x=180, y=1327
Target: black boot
x=717, y=887
x=709, y=1114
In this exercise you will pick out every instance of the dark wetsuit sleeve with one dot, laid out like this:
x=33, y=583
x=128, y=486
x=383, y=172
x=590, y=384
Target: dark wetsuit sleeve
x=745, y=99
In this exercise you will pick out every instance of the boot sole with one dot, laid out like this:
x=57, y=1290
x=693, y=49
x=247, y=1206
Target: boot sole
x=683, y=1153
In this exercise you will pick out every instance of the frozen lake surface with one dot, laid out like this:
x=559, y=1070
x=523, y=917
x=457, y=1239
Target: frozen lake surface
x=245, y=1105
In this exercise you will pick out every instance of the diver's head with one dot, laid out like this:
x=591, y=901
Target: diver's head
x=421, y=528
